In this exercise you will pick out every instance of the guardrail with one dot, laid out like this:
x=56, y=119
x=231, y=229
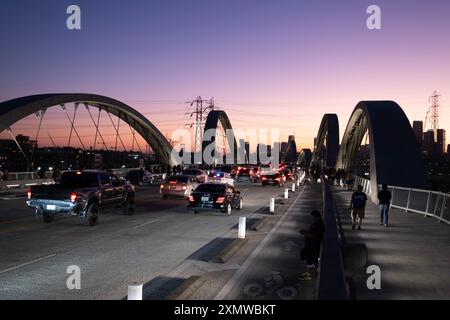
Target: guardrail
x=429, y=203
x=331, y=284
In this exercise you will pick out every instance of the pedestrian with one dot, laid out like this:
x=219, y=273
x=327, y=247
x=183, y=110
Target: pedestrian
x=384, y=203
x=357, y=206
x=313, y=240
x=349, y=181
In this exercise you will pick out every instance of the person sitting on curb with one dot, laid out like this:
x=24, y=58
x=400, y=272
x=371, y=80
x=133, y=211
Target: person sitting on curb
x=313, y=240
x=357, y=206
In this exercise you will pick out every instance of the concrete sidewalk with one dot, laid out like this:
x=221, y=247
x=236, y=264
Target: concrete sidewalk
x=413, y=253
x=271, y=269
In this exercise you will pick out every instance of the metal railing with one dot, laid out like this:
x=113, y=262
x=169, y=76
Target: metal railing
x=429, y=203
x=331, y=284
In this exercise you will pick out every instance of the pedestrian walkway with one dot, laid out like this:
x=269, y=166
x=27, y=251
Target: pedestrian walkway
x=413, y=253
x=271, y=270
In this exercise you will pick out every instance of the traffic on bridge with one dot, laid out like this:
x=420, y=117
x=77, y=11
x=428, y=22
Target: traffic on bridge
x=314, y=173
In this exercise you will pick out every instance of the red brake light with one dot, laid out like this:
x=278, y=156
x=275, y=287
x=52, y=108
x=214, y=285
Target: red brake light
x=29, y=193
x=73, y=197
x=278, y=179
x=191, y=199
x=264, y=178
x=220, y=200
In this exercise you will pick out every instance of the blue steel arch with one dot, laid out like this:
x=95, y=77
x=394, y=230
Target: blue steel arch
x=14, y=110
x=394, y=152
x=326, y=147
x=212, y=121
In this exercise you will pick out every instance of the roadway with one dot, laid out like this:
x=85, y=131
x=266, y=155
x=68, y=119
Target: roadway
x=158, y=238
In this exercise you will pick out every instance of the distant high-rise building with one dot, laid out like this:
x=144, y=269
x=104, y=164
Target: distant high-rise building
x=440, y=142
x=428, y=142
x=247, y=152
x=418, y=131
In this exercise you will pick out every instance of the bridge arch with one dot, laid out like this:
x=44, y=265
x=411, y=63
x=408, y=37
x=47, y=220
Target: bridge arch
x=14, y=110
x=326, y=147
x=394, y=152
x=215, y=119
x=304, y=158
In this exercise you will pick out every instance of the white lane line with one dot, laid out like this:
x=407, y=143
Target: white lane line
x=145, y=223
x=27, y=263
x=237, y=276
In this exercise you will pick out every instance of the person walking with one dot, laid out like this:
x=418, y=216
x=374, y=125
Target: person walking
x=313, y=240
x=384, y=203
x=357, y=206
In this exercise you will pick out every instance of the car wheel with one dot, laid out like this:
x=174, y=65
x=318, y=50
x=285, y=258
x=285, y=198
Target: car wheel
x=241, y=204
x=92, y=212
x=128, y=205
x=43, y=216
x=229, y=209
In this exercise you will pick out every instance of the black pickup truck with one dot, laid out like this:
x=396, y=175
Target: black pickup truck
x=81, y=193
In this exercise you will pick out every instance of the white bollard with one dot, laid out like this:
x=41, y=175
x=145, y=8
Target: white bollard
x=293, y=187
x=135, y=291
x=298, y=182
x=286, y=193
x=241, y=231
x=272, y=205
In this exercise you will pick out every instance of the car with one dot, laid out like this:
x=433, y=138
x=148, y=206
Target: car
x=288, y=174
x=221, y=177
x=81, y=193
x=178, y=186
x=201, y=175
x=245, y=172
x=215, y=196
x=274, y=179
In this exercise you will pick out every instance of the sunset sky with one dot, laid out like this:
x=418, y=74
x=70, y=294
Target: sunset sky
x=268, y=64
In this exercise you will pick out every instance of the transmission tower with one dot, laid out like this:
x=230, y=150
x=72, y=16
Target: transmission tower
x=433, y=112
x=201, y=112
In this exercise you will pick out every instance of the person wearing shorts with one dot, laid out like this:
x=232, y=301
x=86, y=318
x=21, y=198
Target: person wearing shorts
x=357, y=207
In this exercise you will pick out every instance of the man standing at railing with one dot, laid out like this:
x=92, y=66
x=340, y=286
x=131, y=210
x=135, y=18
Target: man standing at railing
x=384, y=203
x=358, y=206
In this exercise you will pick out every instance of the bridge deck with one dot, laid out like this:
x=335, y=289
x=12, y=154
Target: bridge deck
x=413, y=252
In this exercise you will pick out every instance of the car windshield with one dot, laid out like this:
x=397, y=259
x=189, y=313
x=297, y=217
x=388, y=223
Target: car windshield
x=178, y=179
x=78, y=180
x=190, y=172
x=209, y=187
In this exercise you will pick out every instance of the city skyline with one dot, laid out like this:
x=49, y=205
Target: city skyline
x=295, y=60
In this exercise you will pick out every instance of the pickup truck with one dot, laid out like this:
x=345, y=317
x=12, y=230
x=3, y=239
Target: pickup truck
x=83, y=194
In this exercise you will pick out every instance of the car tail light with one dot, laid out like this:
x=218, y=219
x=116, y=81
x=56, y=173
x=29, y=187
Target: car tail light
x=29, y=193
x=220, y=200
x=191, y=199
x=264, y=178
x=73, y=196
x=184, y=188
x=278, y=179
x=162, y=186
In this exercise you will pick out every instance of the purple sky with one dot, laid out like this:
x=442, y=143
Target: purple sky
x=271, y=64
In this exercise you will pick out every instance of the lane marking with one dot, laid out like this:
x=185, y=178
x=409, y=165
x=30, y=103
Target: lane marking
x=238, y=275
x=27, y=263
x=145, y=223
x=16, y=220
